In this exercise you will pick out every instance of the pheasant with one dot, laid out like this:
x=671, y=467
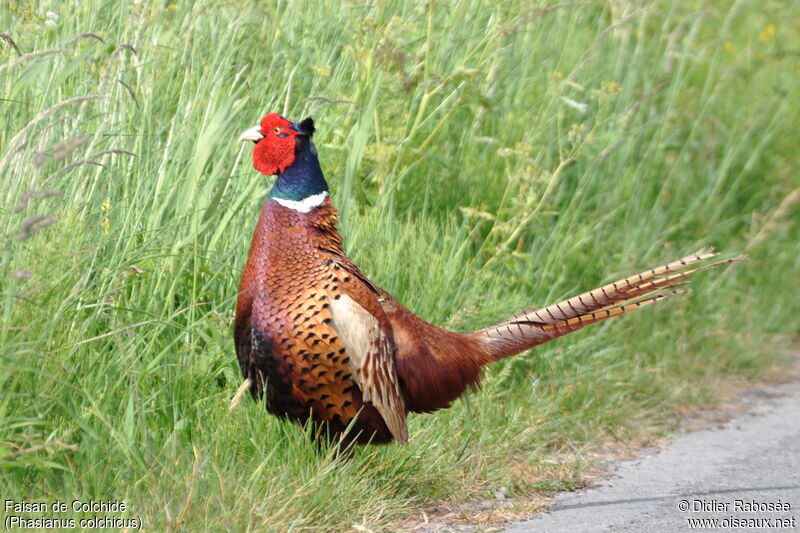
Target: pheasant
x=318, y=340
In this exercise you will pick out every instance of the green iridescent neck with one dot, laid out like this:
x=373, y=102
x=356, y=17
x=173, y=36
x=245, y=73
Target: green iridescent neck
x=302, y=179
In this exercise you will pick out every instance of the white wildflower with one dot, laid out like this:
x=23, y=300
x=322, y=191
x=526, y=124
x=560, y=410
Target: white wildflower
x=471, y=212
x=52, y=19
x=577, y=106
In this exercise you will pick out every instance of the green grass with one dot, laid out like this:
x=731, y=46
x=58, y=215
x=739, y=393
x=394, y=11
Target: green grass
x=470, y=188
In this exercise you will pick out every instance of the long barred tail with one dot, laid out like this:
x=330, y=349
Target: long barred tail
x=532, y=327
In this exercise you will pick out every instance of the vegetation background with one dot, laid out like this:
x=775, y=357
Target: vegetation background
x=486, y=156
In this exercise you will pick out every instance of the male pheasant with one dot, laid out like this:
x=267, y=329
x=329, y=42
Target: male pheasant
x=319, y=340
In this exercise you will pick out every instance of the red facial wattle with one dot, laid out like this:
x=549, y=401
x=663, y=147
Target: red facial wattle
x=275, y=152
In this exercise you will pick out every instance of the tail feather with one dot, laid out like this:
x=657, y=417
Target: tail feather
x=572, y=324
x=532, y=327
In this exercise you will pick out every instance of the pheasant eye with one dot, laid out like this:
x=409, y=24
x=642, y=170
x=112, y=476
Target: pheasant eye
x=276, y=130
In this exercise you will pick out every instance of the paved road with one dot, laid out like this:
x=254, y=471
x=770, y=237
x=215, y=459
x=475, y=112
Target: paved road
x=718, y=473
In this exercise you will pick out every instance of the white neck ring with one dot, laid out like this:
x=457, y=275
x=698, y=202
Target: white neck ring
x=306, y=204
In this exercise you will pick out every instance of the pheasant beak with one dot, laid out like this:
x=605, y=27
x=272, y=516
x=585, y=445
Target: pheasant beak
x=253, y=134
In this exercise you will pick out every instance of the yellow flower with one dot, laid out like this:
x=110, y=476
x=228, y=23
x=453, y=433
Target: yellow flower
x=768, y=33
x=555, y=76
x=105, y=207
x=523, y=147
x=323, y=71
x=610, y=87
x=576, y=133
x=728, y=47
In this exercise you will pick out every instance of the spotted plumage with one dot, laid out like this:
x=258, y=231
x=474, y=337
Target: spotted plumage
x=316, y=339
x=284, y=327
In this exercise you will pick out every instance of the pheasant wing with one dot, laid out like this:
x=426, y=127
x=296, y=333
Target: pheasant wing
x=371, y=354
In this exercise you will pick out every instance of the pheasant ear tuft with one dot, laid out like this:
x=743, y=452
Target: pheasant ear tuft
x=307, y=126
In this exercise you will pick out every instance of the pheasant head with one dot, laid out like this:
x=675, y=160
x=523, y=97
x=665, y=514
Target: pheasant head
x=284, y=148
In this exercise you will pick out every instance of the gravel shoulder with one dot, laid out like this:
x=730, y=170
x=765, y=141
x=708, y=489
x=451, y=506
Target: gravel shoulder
x=742, y=474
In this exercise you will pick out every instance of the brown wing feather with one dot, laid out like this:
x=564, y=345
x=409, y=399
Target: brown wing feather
x=372, y=358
